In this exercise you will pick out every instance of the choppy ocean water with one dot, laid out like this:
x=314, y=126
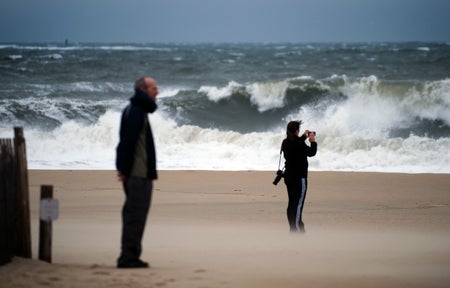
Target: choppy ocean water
x=376, y=107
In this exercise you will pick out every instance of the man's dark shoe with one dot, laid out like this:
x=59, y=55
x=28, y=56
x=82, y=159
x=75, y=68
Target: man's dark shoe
x=133, y=264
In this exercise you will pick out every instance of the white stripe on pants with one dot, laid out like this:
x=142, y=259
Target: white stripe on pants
x=300, y=203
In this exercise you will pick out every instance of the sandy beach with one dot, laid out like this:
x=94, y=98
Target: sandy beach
x=229, y=229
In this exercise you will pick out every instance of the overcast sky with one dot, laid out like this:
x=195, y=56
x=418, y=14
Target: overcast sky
x=224, y=20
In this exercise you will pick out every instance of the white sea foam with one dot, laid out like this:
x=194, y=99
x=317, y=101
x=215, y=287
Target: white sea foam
x=79, y=146
x=268, y=95
x=168, y=92
x=371, y=111
x=15, y=57
x=353, y=135
x=381, y=123
x=83, y=86
x=215, y=94
x=265, y=95
x=424, y=49
x=73, y=145
x=55, y=56
x=431, y=102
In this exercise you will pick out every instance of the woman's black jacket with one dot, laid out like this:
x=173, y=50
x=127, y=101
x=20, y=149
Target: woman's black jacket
x=295, y=153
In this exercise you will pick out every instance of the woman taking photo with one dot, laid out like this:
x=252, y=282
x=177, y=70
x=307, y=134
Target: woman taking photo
x=295, y=153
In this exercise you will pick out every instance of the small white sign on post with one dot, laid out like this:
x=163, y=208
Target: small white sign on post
x=49, y=209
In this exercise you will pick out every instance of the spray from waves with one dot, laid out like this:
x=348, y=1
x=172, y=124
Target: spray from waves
x=377, y=109
x=340, y=104
x=362, y=105
x=69, y=90
x=264, y=95
x=379, y=126
x=76, y=146
x=363, y=124
x=244, y=108
x=211, y=148
x=50, y=113
x=216, y=94
x=430, y=101
x=48, y=106
x=268, y=95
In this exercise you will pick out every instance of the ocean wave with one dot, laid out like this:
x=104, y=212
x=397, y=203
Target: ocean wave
x=268, y=96
x=399, y=103
x=129, y=48
x=218, y=93
x=264, y=95
x=47, y=114
x=429, y=101
x=54, y=56
x=76, y=145
x=378, y=107
x=15, y=57
x=77, y=89
x=365, y=105
x=374, y=109
x=424, y=49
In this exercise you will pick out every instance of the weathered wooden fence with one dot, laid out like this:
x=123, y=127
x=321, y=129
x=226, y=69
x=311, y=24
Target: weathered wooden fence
x=15, y=234
x=7, y=200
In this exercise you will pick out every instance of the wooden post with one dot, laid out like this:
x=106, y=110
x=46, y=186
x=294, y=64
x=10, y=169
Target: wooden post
x=45, y=229
x=7, y=203
x=23, y=230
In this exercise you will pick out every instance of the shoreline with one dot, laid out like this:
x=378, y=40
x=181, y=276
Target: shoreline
x=245, y=170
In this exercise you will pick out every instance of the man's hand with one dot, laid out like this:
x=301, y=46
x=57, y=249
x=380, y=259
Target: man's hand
x=122, y=178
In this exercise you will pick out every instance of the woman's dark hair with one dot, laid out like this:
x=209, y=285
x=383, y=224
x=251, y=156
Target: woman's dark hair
x=291, y=128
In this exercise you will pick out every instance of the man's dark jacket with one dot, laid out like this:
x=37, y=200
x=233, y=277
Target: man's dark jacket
x=296, y=152
x=133, y=119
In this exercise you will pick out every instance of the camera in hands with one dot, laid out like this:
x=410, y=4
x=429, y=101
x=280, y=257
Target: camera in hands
x=280, y=174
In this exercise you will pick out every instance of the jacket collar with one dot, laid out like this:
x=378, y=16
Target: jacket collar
x=142, y=100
